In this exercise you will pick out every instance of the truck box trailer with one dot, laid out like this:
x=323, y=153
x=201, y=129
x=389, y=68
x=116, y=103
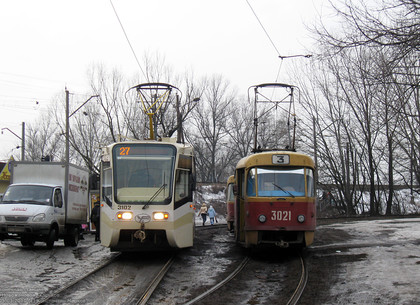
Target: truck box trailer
x=44, y=202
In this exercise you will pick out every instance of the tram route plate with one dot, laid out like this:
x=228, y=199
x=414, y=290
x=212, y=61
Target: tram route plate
x=280, y=159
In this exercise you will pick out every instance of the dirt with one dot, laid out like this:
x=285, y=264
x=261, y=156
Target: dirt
x=352, y=261
x=345, y=267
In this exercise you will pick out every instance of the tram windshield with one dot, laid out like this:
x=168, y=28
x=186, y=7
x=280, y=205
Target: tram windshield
x=278, y=182
x=143, y=173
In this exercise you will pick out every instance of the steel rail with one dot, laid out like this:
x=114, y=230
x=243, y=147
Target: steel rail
x=155, y=282
x=208, y=227
x=301, y=285
x=214, y=288
x=78, y=280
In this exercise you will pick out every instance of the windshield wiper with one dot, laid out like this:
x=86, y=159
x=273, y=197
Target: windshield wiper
x=282, y=189
x=9, y=201
x=154, y=196
x=107, y=200
x=18, y=201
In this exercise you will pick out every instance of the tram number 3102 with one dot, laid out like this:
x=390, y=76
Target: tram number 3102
x=281, y=215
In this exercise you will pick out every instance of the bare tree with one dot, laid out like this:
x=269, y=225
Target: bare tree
x=240, y=128
x=110, y=88
x=209, y=119
x=44, y=139
x=389, y=23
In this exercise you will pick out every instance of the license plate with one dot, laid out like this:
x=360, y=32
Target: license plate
x=15, y=229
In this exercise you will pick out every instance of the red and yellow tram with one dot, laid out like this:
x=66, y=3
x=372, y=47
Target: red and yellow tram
x=275, y=199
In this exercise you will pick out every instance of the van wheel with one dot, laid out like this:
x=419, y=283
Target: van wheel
x=51, y=238
x=72, y=238
x=27, y=242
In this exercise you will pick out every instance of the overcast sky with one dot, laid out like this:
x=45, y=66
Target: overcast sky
x=47, y=45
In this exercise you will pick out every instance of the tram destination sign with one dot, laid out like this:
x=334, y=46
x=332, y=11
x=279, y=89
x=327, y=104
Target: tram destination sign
x=281, y=159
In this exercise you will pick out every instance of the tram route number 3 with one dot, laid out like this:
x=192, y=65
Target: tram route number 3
x=281, y=159
x=281, y=215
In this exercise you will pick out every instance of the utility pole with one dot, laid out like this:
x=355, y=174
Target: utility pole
x=23, y=142
x=180, y=132
x=315, y=152
x=67, y=157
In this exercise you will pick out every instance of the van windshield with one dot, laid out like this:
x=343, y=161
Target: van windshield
x=32, y=194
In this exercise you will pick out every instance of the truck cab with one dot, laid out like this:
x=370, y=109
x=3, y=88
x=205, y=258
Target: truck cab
x=32, y=212
x=45, y=202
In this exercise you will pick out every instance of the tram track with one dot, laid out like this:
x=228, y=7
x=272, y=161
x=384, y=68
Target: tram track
x=293, y=300
x=123, y=280
x=211, y=227
x=220, y=284
x=302, y=283
x=46, y=299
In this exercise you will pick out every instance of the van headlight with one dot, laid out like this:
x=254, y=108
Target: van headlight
x=39, y=217
x=125, y=215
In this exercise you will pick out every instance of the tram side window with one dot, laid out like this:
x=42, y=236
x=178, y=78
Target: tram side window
x=310, y=182
x=230, y=196
x=106, y=185
x=240, y=173
x=182, y=186
x=250, y=184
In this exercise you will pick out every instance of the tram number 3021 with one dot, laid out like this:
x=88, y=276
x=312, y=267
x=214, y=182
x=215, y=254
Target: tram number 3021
x=281, y=215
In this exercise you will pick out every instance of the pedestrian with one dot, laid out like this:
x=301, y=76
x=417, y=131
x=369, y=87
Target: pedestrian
x=203, y=212
x=95, y=218
x=212, y=215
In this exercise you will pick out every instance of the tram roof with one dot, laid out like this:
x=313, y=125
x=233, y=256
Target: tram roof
x=231, y=179
x=266, y=159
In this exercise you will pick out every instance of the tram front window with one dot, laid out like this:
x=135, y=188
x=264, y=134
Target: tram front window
x=276, y=182
x=143, y=173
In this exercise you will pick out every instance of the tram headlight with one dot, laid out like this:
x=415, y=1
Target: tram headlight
x=301, y=218
x=160, y=216
x=262, y=218
x=124, y=215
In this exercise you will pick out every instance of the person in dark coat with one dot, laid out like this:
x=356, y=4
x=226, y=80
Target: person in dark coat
x=95, y=218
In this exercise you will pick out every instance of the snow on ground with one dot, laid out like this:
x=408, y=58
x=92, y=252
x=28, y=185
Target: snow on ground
x=27, y=273
x=389, y=269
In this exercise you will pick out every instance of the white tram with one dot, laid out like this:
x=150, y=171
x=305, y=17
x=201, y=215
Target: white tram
x=146, y=195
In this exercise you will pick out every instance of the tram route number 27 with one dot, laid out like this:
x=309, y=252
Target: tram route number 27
x=124, y=151
x=281, y=215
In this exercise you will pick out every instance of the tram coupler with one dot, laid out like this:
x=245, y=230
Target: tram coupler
x=282, y=244
x=140, y=234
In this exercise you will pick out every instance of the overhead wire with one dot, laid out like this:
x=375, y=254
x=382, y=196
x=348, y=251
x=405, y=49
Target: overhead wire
x=269, y=38
x=262, y=26
x=128, y=40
